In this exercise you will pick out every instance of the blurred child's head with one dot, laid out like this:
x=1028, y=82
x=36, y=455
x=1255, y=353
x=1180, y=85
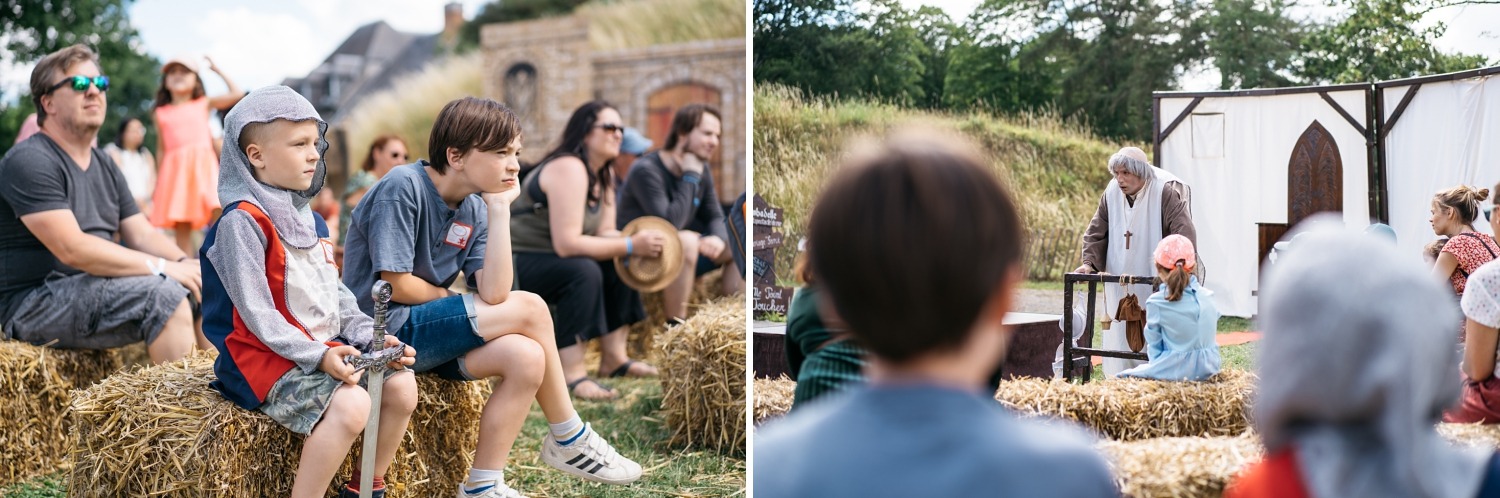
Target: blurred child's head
x=918, y=246
x=1175, y=260
x=282, y=153
x=1433, y=249
x=179, y=77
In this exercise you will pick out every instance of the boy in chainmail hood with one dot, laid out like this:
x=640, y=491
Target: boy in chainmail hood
x=273, y=303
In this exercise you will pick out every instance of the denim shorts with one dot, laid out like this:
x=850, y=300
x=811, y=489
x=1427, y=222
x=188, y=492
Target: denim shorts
x=442, y=331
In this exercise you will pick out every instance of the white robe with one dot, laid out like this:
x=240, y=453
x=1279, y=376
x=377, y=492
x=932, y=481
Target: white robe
x=1143, y=222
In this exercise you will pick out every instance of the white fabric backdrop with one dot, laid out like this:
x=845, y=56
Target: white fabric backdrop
x=1446, y=137
x=1234, y=152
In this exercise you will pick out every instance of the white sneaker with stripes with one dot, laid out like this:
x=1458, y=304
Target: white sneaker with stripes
x=590, y=457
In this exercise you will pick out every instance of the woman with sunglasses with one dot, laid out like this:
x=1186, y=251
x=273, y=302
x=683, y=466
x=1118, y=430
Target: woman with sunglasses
x=564, y=236
x=1453, y=214
x=188, y=176
x=386, y=152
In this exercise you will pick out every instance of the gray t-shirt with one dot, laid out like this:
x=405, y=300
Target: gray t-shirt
x=35, y=176
x=652, y=190
x=402, y=225
x=922, y=441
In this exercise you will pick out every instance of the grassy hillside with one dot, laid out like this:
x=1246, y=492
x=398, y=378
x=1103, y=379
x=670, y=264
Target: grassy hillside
x=1055, y=168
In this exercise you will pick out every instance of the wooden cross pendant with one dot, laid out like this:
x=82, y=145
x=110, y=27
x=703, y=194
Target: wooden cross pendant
x=1127, y=239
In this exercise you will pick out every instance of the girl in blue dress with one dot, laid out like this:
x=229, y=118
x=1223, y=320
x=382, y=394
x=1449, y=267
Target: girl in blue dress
x=1181, y=319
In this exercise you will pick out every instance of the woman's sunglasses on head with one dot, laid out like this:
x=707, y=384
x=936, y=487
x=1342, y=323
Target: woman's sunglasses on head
x=81, y=83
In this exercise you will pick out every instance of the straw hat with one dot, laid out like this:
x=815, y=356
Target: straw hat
x=651, y=274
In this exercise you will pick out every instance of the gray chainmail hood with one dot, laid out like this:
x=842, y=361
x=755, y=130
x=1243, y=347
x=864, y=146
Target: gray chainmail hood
x=1356, y=367
x=289, y=210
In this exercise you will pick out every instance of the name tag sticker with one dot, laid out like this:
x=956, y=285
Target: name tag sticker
x=458, y=235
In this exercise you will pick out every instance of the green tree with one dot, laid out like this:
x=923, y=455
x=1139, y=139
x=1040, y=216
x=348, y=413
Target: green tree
x=941, y=36
x=1379, y=40
x=826, y=47
x=34, y=28
x=1253, y=43
x=996, y=66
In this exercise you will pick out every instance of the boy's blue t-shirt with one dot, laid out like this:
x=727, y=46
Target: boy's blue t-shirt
x=922, y=441
x=403, y=225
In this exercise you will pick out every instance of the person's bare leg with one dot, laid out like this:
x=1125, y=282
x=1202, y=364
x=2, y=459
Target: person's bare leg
x=324, y=450
x=176, y=338
x=674, y=297
x=733, y=282
x=613, y=353
x=199, y=338
x=397, y=401
x=526, y=314
x=521, y=363
x=184, y=234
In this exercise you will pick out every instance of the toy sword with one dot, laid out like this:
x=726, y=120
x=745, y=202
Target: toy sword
x=376, y=360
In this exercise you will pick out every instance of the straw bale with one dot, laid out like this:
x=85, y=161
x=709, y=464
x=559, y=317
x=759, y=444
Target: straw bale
x=34, y=385
x=703, y=377
x=1130, y=409
x=163, y=431
x=1179, y=467
x=643, y=333
x=1486, y=435
x=773, y=398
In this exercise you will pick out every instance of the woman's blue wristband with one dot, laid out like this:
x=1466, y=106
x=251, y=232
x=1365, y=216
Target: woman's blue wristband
x=629, y=247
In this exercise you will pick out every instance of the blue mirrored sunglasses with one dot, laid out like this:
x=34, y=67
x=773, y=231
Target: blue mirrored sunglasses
x=81, y=83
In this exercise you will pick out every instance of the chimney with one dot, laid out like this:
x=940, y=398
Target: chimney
x=453, y=21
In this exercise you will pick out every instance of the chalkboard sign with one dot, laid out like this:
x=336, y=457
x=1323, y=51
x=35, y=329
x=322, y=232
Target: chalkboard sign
x=766, y=238
x=772, y=299
x=769, y=297
x=764, y=215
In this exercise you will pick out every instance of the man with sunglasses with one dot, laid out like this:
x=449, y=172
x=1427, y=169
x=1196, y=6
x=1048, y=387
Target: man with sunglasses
x=80, y=267
x=674, y=183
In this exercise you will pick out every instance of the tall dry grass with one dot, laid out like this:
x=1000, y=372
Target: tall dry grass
x=616, y=24
x=411, y=104
x=1055, y=168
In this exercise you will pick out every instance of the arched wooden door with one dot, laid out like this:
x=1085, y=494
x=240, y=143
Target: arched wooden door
x=662, y=105
x=1315, y=183
x=1315, y=176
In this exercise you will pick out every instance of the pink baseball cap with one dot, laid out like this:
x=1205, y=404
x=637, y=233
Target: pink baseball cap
x=1174, y=248
x=187, y=61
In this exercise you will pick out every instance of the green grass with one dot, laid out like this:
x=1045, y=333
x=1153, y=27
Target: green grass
x=48, y=486
x=1235, y=324
x=630, y=423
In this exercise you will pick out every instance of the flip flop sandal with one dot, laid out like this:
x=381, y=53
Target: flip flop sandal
x=574, y=384
x=623, y=371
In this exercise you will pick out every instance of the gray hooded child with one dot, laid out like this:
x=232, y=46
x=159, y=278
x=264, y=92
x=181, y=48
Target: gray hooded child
x=1353, y=372
x=241, y=260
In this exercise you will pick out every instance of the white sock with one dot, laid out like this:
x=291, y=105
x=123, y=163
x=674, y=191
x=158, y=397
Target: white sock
x=561, y=431
x=478, y=478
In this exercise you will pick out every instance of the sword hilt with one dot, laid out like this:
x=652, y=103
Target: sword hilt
x=381, y=293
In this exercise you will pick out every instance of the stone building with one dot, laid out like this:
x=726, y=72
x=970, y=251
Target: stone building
x=543, y=69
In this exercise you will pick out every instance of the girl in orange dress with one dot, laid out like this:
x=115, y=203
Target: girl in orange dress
x=187, y=179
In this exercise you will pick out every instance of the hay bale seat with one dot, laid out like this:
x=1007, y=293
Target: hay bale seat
x=163, y=431
x=1132, y=409
x=1179, y=467
x=773, y=398
x=703, y=377
x=35, y=384
x=643, y=333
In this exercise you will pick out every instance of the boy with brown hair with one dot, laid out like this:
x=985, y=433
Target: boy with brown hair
x=918, y=248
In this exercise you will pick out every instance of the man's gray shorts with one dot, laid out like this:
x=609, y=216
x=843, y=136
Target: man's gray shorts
x=82, y=311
